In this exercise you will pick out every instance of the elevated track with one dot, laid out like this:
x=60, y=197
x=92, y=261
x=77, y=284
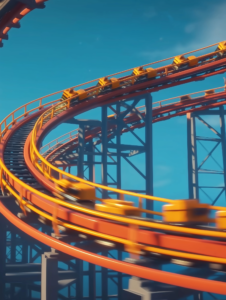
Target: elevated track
x=30, y=176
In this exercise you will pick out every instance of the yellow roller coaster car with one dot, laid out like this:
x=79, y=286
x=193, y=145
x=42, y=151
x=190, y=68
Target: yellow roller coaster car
x=70, y=93
x=181, y=62
x=148, y=73
x=118, y=207
x=222, y=47
x=188, y=211
x=221, y=220
x=78, y=192
x=113, y=83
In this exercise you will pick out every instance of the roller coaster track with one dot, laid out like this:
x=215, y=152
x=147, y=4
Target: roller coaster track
x=11, y=12
x=27, y=175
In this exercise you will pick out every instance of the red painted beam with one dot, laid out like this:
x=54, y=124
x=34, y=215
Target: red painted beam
x=11, y=19
x=194, y=283
x=159, y=111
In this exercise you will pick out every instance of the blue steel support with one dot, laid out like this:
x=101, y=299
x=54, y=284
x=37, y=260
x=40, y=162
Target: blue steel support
x=192, y=158
x=90, y=159
x=24, y=259
x=92, y=282
x=104, y=275
x=91, y=270
x=193, y=168
x=149, y=150
x=104, y=149
x=13, y=247
x=24, y=252
x=2, y=255
x=118, y=142
x=223, y=141
x=79, y=281
x=120, y=283
x=81, y=137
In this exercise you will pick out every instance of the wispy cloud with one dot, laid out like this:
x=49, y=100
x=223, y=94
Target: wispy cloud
x=190, y=27
x=162, y=173
x=208, y=29
x=150, y=13
x=161, y=183
x=163, y=169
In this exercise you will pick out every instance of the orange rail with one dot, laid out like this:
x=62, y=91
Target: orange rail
x=119, y=266
x=45, y=167
x=106, y=262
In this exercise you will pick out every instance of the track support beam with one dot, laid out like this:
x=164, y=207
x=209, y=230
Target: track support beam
x=149, y=150
x=192, y=158
x=104, y=149
x=81, y=141
x=49, y=276
x=2, y=255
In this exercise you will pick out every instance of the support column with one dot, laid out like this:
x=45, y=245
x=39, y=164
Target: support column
x=140, y=289
x=2, y=255
x=120, y=285
x=81, y=137
x=90, y=161
x=149, y=150
x=79, y=281
x=118, y=142
x=49, y=276
x=13, y=247
x=92, y=282
x=25, y=251
x=223, y=141
x=104, y=149
x=198, y=296
x=104, y=275
x=192, y=158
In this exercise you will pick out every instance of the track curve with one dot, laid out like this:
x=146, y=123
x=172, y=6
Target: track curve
x=20, y=190
x=64, y=249
x=12, y=12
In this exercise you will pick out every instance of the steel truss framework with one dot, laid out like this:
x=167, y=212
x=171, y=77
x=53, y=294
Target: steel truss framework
x=18, y=251
x=20, y=262
x=24, y=268
x=108, y=155
x=15, y=251
x=112, y=150
x=30, y=270
x=195, y=169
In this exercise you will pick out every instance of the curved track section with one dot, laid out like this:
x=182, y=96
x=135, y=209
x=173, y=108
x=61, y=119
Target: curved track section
x=30, y=182
x=11, y=12
x=38, y=202
x=112, y=264
x=162, y=110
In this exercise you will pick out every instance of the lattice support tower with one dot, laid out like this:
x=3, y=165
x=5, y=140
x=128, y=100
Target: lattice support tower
x=196, y=169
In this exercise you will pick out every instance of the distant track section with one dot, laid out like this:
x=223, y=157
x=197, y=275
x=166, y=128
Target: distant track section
x=12, y=11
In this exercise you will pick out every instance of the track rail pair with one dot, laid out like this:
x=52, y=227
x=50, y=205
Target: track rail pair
x=11, y=182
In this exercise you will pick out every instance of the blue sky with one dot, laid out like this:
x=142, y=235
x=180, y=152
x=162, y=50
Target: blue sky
x=64, y=45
